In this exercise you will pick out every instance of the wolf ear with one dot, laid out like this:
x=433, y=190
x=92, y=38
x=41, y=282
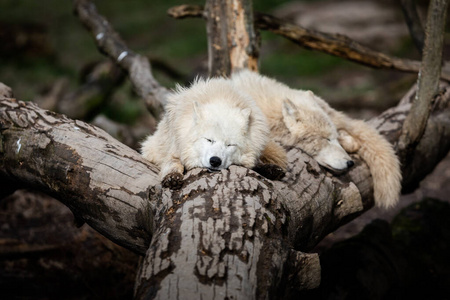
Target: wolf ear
x=246, y=113
x=290, y=112
x=196, y=111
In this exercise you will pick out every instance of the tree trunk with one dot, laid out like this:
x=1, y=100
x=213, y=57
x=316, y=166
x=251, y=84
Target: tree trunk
x=232, y=40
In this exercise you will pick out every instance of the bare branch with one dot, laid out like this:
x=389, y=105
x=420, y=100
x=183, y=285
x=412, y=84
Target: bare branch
x=232, y=40
x=187, y=11
x=428, y=80
x=333, y=44
x=109, y=42
x=413, y=21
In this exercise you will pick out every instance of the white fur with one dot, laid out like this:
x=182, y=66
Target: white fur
x=304, y=124
x=301, y=118
x=210, y=119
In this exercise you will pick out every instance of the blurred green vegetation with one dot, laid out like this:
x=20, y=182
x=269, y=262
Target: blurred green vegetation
x=147, y=29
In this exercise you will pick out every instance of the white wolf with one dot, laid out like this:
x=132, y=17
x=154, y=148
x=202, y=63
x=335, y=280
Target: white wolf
x=301, y=118
x=210, y=125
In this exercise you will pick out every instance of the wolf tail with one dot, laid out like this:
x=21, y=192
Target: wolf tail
x=379, y=155
x=382, y=160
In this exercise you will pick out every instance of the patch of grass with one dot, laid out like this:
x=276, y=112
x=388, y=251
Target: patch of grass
x=302, y=63
x=286, y=60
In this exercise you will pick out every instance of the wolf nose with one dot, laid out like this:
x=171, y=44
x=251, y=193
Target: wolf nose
x=350, y=163
x=215, y=161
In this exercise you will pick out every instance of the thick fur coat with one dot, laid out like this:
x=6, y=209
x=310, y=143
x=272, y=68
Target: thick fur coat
x=303, y=119
x=212, y=125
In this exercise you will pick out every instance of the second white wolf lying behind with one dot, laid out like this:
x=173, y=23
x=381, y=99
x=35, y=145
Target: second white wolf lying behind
x=301, y=118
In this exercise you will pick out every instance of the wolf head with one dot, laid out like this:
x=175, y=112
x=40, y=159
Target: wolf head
x=221, y=136
x=312, y=130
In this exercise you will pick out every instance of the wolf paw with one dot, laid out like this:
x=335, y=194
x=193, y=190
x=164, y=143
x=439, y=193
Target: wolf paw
x=270, y=171
x=173, y=181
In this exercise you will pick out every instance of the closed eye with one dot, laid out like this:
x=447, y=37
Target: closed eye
x=231, y=145
x=211, y=141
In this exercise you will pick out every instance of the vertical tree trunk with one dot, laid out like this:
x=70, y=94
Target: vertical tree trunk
x=428, y=80
x=232, y=40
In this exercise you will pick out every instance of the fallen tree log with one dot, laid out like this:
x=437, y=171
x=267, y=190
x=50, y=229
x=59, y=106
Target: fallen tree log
x=232, y=233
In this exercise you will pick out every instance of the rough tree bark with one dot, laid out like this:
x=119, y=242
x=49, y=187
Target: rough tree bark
x=232, y=40
x=232, y=234
x=428, y=80
x=33, y=145
x=228, y=234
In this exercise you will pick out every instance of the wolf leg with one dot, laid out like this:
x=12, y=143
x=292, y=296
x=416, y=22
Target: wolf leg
x=348, y=142
x=274, y=154
x=172, y=173
x=273, y=162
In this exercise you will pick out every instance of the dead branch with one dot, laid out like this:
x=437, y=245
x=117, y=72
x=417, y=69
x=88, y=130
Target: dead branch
x=109, y=42
x=428, y=80
x=414, y=24
x=333, y=44
x=232, y=40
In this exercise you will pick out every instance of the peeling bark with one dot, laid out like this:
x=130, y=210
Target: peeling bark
x=232, y=40
x=235, y=223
